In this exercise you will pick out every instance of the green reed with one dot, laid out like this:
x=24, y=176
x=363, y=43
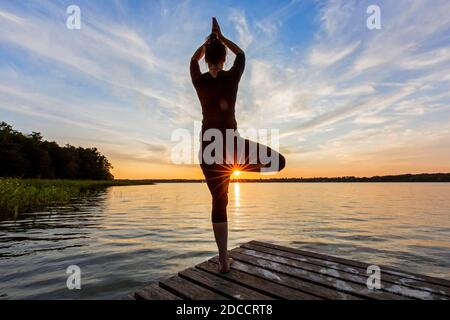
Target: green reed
x=22, y=195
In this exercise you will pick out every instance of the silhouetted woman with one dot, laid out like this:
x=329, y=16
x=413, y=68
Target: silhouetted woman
x=217, y=91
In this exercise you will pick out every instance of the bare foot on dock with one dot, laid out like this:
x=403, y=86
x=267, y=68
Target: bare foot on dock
x=225, y=268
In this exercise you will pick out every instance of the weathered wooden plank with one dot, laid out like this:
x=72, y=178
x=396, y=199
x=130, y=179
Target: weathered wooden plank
x=390, y=279
x=258, y=284
x=189, y=290
x=154, y=292
x=390, y=270
x=291, y=282
x=388, y=287
x=337, y=284
x=222, y=286
x=266, y=271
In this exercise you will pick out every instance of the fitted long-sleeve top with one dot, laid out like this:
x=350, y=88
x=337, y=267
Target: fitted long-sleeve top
x=218, y=95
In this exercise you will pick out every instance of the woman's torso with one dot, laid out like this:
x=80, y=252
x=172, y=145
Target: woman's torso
x=218, y=100
x=218, y=94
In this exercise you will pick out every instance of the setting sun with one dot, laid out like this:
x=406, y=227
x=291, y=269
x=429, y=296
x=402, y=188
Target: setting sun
x=236, y=172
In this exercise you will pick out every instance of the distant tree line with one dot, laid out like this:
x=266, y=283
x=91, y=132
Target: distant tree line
x=422, y=177
x=30, y=156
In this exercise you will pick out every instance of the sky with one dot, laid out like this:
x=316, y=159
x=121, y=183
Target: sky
x=345, y=99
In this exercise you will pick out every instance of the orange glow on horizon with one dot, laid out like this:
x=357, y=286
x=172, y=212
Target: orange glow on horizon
x=124, y=169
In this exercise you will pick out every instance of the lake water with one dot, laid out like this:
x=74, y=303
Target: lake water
x=125, y=237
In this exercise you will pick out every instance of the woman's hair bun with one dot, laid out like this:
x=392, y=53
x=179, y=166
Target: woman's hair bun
x=216, y=51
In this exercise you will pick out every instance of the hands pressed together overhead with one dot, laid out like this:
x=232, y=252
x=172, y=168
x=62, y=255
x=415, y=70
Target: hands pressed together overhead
x=216, y=28
x=216, y=33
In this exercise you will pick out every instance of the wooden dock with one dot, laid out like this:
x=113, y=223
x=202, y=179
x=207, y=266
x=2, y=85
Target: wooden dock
x=263, y=271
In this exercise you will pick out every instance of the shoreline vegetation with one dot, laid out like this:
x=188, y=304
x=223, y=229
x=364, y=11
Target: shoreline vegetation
x=31, y=195
x=32, y=157
x=38, y=173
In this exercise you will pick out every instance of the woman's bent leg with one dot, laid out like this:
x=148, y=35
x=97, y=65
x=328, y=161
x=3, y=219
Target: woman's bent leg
x=259, y=158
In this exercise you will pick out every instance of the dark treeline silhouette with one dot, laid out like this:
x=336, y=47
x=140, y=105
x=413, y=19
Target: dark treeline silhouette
x=422, y=177
x=29, y=156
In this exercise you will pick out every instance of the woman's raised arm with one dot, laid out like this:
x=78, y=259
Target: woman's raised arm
x=199, y=53
x=231, y=45
x=228, y=43
x=194, y=67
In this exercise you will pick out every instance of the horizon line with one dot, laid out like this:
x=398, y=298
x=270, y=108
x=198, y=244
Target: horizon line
x=298, y=178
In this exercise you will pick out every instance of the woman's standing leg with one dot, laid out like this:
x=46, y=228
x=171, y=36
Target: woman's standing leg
x=218, y=179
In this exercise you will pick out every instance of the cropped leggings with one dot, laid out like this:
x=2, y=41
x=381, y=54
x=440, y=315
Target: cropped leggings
x=248, y=156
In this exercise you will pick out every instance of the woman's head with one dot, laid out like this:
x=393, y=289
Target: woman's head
x=215, y=51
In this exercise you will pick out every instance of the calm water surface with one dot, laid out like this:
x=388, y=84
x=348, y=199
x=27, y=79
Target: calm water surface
x=125, y=237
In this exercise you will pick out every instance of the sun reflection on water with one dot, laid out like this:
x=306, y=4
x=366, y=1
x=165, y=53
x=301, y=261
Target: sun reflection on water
x=237, y=195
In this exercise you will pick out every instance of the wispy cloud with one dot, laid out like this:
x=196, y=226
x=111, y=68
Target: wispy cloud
x=240, y=23
x=327, y=57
